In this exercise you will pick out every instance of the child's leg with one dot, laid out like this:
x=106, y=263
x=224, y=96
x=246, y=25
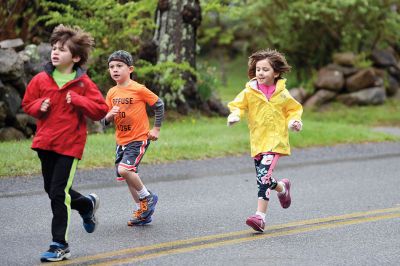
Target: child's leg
x=264, y=164
x=279, y=187
x=58, y=172
x=47, y=163
x=134, y=182
x=267, y=163
x=128, y=159
x=262, y=206
x=134, y=194
x=79, y=202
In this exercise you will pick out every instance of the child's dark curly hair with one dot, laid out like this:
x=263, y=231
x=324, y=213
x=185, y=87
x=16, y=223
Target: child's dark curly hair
x=78, y=41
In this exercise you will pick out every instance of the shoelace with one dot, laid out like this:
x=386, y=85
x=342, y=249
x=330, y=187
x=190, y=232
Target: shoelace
x=143, y=208
x=56, y=249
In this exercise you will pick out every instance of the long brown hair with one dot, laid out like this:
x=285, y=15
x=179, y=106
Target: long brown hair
x=275, y=58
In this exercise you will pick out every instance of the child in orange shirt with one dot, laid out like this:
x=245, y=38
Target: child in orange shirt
x=127, y=108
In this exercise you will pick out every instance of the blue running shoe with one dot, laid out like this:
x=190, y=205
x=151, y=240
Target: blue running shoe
x=89, y=219
x=56, y=252
x=136, y=222
x=147, y=207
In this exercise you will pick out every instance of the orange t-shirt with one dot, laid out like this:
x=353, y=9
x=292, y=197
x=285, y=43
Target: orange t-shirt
x=131, y=123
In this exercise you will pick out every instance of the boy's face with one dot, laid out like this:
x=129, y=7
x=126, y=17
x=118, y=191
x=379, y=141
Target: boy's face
x=119, y=71
x=61, y=56
x=265, y=74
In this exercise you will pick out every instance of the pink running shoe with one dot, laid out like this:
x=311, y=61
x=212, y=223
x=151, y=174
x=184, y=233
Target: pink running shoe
x=256, y=222
x=120, y=179
x=285, y=199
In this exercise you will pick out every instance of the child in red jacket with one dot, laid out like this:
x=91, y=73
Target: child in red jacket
x=60, y=98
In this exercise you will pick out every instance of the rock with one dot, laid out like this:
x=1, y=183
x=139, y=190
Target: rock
x=35, y=57
x=329, y=80
x=364, y=78
x=2, y=89
x=299, y=94
x=395, y=71
x=11, y=43
x=383, y=58
x=3, y=114
x=12, y=66
x=370, y=96
x=216, y=106
x=22, y=121
x=12, y=101
x=393, y=85
x=347, y=71
x=319, y=98
x=10, y=133
x=344, y=59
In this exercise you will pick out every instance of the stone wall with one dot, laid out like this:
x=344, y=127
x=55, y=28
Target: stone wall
x=344, y=82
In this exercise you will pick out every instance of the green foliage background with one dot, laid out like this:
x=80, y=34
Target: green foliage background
x=308, y=32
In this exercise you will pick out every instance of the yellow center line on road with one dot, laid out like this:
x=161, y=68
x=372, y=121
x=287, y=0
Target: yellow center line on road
x=245, y=239
x=175, y=247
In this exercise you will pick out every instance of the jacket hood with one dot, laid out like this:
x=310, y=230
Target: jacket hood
x=280, y=84
x=49, y=68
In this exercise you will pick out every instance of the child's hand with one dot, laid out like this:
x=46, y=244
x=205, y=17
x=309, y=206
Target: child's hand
x=153, y=134
x=113, y=112
x=295, y=125
x=68, y=97
x=45, y=105
x=232, y=119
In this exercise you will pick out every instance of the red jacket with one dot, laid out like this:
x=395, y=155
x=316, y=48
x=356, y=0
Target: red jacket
x=62, y=128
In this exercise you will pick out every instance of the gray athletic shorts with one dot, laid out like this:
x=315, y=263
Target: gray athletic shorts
x=129, y=156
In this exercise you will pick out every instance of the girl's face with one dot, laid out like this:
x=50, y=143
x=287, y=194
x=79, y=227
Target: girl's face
x=119, y=71
x=61, y=57
x=265, y=74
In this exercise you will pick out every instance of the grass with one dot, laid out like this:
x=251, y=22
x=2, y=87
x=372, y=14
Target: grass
x=198, y=137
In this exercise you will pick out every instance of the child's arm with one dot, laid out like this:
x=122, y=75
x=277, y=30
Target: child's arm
x=158, y=108
x=110, y=115
x=237, y=107
x=294, y=110
x=32, y=103
x=91, y=103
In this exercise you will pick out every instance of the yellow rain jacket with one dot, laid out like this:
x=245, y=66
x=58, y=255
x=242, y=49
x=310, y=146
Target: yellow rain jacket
x=267, y=119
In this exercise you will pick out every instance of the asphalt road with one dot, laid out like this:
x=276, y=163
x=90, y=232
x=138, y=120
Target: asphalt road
x=345, y=211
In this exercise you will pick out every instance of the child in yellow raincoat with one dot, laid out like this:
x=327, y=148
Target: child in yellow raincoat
x=271, y=112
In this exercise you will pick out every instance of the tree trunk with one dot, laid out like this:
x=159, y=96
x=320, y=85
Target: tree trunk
x=175, y=36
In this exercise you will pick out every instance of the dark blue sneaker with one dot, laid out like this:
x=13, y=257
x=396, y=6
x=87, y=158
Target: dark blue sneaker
x=56, y=252
x=147, y=207
x=89, y=219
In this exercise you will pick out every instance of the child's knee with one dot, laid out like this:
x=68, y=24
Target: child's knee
x=122, y=171
x=263, y=191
